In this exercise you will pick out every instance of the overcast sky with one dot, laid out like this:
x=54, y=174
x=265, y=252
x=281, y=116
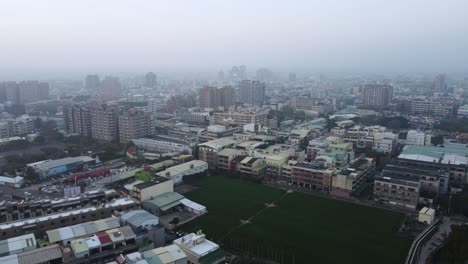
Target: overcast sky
x=63, y=37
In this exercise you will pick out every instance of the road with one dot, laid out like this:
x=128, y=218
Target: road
x=436, y=240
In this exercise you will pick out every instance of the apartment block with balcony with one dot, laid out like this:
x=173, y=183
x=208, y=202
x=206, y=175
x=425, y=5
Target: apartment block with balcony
x=402, y=191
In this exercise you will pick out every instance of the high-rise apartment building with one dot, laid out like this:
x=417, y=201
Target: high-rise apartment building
x=227, y=96
x=252, y=92
x=209, y=97
x=77, y=119
x=104, y=123
x=135, y=124
x=439, y=83
x=377, y=95
x=24, y=92
x=150, y=80
x=110, y=88
x=92, y=82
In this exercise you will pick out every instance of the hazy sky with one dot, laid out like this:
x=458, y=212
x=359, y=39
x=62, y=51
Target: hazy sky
x=63, y=37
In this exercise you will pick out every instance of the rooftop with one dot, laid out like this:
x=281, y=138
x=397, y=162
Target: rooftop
x=166, y=200
x=156, y=180
x=218, y=143
x=138, y=217
x=446, y=155
x=175, y=170
x=197, y=244
x=87, y=228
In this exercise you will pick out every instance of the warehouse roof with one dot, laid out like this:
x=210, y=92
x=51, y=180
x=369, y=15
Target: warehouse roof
x=64, y=161
x=446, y=155
x=166, y=201
x=40, y=255
x=138, y=217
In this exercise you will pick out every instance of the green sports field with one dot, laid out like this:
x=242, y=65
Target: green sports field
x=299, y=228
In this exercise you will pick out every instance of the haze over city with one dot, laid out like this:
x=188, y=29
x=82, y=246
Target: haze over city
x=52, y=39
x=233, y=132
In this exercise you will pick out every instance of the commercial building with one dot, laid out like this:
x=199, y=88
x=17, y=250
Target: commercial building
x=199, y=249
x=431, y=108
x=377, y=95
x=178, y=172
x=53, y=167
x=135, y=124
x=431, y=182
x=252, y=92
x=208, y=151
x=193, y=117
x=16, y=182
x=239, y=118
x=157, y=186
x=450, y=159
x=313, y=176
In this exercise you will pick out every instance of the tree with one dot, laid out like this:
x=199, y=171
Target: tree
x=437, y=140
x=30, y=174
x=38, y=123
x=174, y=221
x=39, y=139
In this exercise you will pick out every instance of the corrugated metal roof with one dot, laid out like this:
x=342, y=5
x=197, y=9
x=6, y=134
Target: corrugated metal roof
x=40, y=255
x=165, y=199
